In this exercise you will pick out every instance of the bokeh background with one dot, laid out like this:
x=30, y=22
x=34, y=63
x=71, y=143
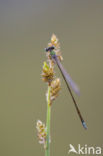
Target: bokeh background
x=25, y=29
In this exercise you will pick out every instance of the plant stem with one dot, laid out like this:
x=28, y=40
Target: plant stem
x=47, y=150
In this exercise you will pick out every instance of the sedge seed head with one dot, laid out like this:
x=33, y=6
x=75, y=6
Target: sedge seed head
x=41, y=132
x=55, y=88
x=47, y=73
x=55, y=43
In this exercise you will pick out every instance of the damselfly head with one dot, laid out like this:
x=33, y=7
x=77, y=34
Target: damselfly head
x=49, y=48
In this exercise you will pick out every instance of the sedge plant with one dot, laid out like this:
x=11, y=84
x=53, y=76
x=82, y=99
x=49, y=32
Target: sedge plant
x=53, y=88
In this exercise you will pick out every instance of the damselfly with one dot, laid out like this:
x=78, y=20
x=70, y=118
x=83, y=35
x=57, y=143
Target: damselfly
x=68, y=81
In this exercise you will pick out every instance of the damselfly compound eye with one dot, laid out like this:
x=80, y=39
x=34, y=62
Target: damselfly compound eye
x=49, y=48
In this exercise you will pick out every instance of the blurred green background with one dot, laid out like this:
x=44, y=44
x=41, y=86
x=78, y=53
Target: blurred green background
x=25, y=29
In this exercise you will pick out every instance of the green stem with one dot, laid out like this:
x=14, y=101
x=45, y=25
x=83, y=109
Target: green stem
x=47, y=150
